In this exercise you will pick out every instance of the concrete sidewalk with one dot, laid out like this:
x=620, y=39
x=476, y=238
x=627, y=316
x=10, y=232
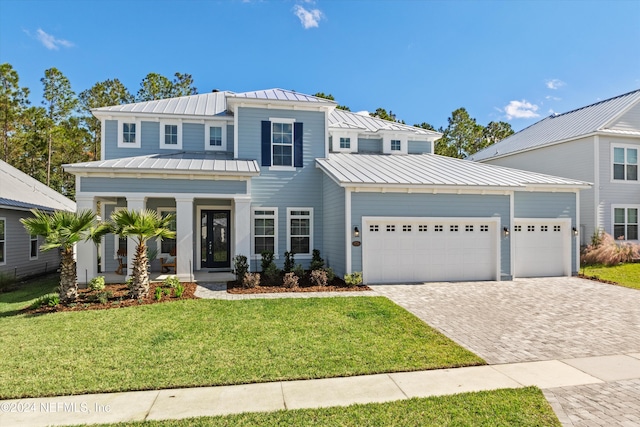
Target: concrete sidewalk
x=207, y=401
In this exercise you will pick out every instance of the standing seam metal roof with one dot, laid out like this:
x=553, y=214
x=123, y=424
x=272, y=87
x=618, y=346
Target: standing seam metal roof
x=581, y=121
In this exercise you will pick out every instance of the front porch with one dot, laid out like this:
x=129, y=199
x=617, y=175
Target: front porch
x=199, y=276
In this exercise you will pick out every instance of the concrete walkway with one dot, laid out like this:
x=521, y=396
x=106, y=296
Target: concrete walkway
x=551, y=375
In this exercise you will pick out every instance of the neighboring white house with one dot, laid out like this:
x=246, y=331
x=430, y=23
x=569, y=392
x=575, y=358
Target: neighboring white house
x=20, y=254
x=598, y=143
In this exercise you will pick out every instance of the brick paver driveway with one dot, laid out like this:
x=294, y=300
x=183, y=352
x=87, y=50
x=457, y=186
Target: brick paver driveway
x=528, y=319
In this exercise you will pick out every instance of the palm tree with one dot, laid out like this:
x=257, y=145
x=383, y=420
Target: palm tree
x=63, y=230
x=142, y=226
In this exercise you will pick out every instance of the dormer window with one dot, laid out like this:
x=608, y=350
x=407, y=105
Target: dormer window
x=129, y=133
x=215, y=137
x=396, y=145
x=171, y=134
x=346, y=142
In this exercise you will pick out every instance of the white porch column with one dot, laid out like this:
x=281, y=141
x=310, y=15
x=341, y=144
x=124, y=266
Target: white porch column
x=86, y=252
x=242, y=221
x=133, y=204
x=184, y=238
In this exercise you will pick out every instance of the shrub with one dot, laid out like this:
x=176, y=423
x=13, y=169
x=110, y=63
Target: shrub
x=317, y=263
x=158, y=293
x=179, y=290
x=318, y=278
x=353, y=279
x=50, y=300
x=298, y=271
x=609, y=252
x=271, y=273
x=330, y=274
x=97, y=283
x=5, y=281
x=103, y=296
x=166, y=291
x=171, y=281
x=289, y=262
x=240, y=267
x=251, y=280
x=267, y=260
x=290, y=280
x=129, y=283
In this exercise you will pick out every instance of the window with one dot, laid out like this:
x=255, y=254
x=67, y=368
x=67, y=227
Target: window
x=282, y=144
x=33, y=247
x=556, y=228
x=544, y=228
x=625, y=223
x=3, y=223
x=167, y=245
x=265, y=230
x=345, y=142
x=300, y=236
x=406, y=228
x=374, y=228
x=129, y=133
x=438, y=228
x=625, y=163
x=396, y=145
x=215, y=137
x=468, y=228
x=531, y=228
x=422, y=228
x=517, y=228
x=391, y=228
x=171, y=134
x=484, y=228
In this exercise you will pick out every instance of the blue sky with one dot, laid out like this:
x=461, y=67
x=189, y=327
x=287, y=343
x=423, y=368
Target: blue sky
x=517, y=61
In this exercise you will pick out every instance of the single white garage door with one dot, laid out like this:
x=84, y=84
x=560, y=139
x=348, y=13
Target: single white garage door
x=542, y=247
x=397, y=250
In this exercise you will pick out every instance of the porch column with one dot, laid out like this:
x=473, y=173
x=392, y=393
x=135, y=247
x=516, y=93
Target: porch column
x=242, y=222
x=184, y=238
x=133, y=204
x=86, y=252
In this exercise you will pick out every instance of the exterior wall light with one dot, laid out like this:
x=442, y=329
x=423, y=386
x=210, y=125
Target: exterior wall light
x=575, y=231
x=506, y=231
x=356, y=232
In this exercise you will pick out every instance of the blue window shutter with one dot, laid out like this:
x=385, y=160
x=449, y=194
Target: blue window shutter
x=297, y=144
x=266, y=143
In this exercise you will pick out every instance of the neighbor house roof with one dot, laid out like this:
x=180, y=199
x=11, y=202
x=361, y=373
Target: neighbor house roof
x=281, y=95
x=433, y=171
x=198, y=162
x=19, y=191
x=561, y=127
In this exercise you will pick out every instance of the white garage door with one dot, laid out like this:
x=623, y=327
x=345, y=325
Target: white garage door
x=542, y=247
x=396, y=250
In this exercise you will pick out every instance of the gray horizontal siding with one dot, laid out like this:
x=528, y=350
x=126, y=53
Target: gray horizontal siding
x=419, y=147
x=430, y=205
x=17, y=249
x=369, y=145
x=192, y=137
x=150, y=185
x=334, y=229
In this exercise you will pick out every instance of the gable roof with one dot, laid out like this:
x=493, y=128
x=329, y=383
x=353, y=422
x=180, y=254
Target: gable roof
x=281, y=95
x=582, y=121
x=340, y=119
x=19, y=191
x=205, y=104
x=433, y=171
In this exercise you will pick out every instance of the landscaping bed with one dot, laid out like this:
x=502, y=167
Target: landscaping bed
x=336, y=285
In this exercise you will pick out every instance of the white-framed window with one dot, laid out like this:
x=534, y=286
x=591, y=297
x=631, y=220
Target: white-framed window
x=33, y=247
x=167, y=245
x=3, y=241
x=395, y=144
x=282, y=142
x=215, y=137
x=300, y=231
x=265, y=231
x=129, y=133
x=625, y=222
x=625, y=163
x=171, y=134
x=346, y=142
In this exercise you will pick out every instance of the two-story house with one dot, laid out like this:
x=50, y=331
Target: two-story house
x=598, y=143
x=284, y=171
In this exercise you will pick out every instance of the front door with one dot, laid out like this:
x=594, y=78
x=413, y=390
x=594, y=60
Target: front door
x=215, y=245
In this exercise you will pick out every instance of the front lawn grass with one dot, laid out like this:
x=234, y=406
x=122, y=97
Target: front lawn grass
x=211, y=342
x=627, y=275
x=25, y=293
x=508, y=407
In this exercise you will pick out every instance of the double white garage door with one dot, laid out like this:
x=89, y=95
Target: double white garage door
x=458, y=249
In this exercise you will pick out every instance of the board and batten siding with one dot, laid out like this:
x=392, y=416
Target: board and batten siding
x=573, y=159
x=431, y=205
x=193, y=139
x=171, y=186
x=18, y=249
x=614, y=192
x=299, y=188
x=548, y=205
x=334, y=226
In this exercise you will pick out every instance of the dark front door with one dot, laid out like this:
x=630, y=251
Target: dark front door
x=215, y=245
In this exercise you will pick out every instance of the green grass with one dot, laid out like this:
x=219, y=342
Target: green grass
x=627, y=275
x=25, y=293
x=210, y=342
x=509, y=407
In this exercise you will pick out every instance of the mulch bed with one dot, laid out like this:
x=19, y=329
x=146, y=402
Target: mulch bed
x=119, y=298
x=337, y=285
x=597, y=279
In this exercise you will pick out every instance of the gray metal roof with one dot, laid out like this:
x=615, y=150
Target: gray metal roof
x=340, y=119
x=19, y=190
x=282, y=95
x=198, y=162
x=431, y=170
x=583, y=121
x=206, y=104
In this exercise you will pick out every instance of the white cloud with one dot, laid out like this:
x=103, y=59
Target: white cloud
x=308, y=18
x=554, y=84
x=49, y=41
x=363, y=113
x=552, y=98
x=521, y=110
